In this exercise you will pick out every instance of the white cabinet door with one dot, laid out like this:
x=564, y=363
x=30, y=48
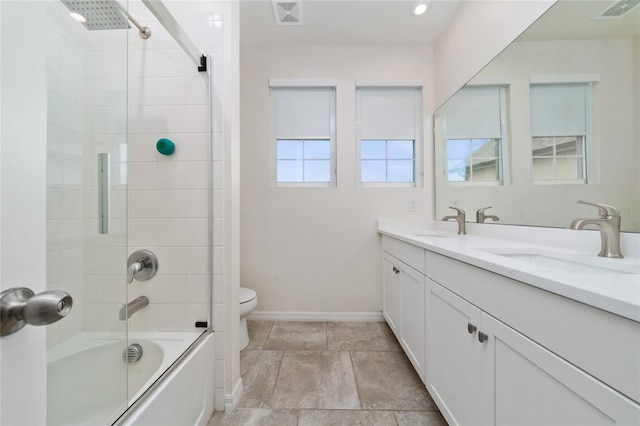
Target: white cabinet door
x=454, y=374
x=412, y=311
x=391, y=293
x=535, y=386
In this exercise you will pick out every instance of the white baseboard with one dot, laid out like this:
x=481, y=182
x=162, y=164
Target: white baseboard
x=317, y=316
x=231, y=400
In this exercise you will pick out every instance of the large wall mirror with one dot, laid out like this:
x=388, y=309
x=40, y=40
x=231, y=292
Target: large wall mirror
x=551, y=120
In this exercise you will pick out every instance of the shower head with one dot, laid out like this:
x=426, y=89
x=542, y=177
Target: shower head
x=98, y=14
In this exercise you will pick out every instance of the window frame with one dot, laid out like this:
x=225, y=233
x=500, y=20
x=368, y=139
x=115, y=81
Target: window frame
x=418, y=141
x=303, y=83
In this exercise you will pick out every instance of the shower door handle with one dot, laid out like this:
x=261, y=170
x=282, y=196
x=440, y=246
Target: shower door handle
x=20, y=306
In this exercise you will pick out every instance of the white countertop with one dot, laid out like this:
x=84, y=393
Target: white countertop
x=615, y=292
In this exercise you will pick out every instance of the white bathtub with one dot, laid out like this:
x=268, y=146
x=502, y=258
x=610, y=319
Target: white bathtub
x=89, y=384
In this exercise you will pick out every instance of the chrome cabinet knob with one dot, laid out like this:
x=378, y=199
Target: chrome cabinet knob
x=471, y=328
x=482, y=337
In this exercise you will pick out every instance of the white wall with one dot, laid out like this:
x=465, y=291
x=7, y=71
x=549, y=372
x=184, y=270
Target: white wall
x=478, y=32
x=316, y=249
x=614, y=134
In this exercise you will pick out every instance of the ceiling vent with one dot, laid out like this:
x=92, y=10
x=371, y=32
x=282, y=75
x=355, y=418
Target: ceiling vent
x=289, y=12
x=618, y=10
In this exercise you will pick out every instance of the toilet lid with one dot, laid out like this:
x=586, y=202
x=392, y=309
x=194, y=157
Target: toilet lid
x=246, y=295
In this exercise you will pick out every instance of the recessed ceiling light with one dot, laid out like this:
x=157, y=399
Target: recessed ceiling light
x=420, y=7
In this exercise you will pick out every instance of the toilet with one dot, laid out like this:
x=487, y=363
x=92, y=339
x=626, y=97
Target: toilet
x=248, y=302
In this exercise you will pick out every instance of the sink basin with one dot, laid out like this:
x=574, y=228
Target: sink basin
x=435, y=234
x=566, y=262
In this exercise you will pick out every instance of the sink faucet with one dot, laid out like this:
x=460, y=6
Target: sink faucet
x=132, y=307
x=609, y=226
x=460, y=218
x=481, y=217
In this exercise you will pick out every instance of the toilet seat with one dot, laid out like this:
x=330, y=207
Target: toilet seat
x=246, y=295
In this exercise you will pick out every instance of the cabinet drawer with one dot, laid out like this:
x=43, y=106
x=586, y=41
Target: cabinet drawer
x=605, y=345
x=408, y=253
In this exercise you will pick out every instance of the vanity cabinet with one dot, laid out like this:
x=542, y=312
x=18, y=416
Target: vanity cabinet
x=404, y=302
x=497, y=351
x=482, y=371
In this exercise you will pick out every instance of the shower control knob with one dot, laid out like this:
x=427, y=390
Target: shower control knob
x=19, y=306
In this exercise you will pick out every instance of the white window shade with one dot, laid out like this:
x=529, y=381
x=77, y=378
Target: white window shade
x=474, y=113
x=558, y=109
x=302, y=113
x=388, y=113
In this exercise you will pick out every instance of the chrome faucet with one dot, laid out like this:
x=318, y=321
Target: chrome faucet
x=481, y=217
x=609, y=226
x=132, y=307
x=460, y=218
x=141, y=265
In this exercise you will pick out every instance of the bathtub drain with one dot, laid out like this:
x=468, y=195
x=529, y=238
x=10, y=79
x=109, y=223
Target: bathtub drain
x=132, y=353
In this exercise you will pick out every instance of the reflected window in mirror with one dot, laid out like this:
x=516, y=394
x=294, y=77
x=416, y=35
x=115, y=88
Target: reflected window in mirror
x=389, y=135
x=560, y=132
x=475, y=135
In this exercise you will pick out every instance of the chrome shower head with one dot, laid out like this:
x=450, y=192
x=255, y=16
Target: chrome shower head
x=98, y=14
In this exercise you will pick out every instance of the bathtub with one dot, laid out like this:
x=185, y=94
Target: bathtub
x=88, y=383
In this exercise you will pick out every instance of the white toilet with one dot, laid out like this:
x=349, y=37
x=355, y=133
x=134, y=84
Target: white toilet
x=248, y=302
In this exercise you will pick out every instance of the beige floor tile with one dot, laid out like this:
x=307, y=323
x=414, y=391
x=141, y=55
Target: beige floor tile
x=259, y=370
x=424, y=418
x=297, y=336
x=255, y=417
x=346, y=417
x=357, y=336
x=316, y=380
x=387, y=381
x=258, y=333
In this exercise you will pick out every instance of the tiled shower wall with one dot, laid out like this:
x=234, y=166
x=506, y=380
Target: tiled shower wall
x=168, y=199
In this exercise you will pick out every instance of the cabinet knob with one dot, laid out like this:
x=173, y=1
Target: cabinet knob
x=482, y=337
x=396, y=270
x=471, y=328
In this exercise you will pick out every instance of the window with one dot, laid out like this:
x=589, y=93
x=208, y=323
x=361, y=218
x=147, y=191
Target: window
x=560, y=117
x=389, y=133
x=303, y=131
x=475, y=135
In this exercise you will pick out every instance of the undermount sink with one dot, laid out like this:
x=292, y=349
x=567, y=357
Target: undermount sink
x=435, y=234
x=566, y=262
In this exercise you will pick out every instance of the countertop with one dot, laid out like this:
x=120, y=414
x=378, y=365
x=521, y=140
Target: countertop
x=615, y=292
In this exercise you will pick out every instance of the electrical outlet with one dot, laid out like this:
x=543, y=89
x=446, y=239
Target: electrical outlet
x=412, y=205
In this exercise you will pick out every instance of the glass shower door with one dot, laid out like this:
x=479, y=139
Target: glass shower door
x=86, y=218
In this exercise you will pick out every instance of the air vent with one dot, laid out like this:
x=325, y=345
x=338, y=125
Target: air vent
x=618, y=10
x=288, y=12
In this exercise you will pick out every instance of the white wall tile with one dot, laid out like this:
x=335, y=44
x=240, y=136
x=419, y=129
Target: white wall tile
x=197, y=203
x=172, y=317
x=172, y=260
x=197, y=119
x=197, y=288
x=171, y=175
x=142, y=175
x=197, y=231
x=171, y=90
x=143, y=232
x=194, y=313
x=197, y=260
x=173, y=203
x=171, y=119
x=172, y=232
x=197, y=176
x=197, y=146
x=172, y=289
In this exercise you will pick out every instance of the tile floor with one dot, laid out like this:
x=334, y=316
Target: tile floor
x=326, y=373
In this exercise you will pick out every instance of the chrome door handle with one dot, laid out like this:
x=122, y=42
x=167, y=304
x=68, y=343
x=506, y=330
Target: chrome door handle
x=20, y=306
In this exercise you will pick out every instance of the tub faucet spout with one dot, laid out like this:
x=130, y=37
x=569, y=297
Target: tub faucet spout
x=609, y=226
x=132, y=307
